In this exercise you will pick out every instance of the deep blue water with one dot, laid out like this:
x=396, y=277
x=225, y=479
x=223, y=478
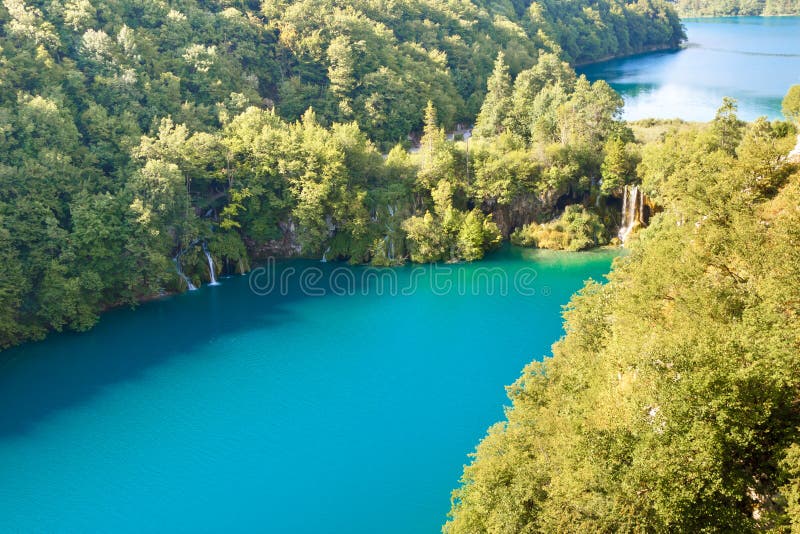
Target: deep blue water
x=225, y=411
x=752, y=59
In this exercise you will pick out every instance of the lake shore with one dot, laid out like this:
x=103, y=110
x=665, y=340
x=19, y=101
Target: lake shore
x=648, y=50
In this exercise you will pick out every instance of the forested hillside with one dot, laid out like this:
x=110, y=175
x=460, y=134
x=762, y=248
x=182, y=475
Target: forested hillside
x=138, y=134
x=734, y=8
x=671, y=403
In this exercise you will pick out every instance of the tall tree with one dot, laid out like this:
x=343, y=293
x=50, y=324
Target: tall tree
x=496, y=105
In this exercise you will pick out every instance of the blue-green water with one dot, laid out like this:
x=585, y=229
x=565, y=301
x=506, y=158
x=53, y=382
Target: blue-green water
x=226, y=411
x=753, y=59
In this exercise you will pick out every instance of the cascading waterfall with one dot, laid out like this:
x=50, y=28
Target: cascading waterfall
x=388, y=244
x=389, y=240
x=632, y=211
x=324, y=255
x=189, y=284
x=212, y=273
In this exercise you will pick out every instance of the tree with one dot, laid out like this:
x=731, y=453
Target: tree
x=341, y=73
x=616, y=168
x=427, y=243
x=791, y=104
x=673, y=380
x=760, y=154
x=726, y=126
x=437, y=161
x=498, y=99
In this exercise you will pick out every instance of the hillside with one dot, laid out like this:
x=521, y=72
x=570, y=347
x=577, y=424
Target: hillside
x=141, y=137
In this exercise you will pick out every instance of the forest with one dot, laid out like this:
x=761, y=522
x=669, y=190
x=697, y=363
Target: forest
x=137, y=135
x=670, y=405
x=142, y=137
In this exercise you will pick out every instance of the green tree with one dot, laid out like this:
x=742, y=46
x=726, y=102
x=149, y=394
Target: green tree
x=495, y=106
x=726, y=125
x=617, y=167
x=791, y=104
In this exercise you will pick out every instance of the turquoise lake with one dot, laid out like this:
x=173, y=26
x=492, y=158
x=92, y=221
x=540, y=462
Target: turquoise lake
x=753, y=59
x=224, y=410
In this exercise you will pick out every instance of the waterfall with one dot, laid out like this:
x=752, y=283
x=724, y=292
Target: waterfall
x=632, y=211
x=388, y=245
x=189, y=284
x=324, y=254
x=623, y=229
x=212, y=273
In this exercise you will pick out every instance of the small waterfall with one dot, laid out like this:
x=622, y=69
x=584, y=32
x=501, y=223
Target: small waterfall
x=212, y=273
x=388, y=245
x=632, y=211
x=324, y=255
x=189, y=284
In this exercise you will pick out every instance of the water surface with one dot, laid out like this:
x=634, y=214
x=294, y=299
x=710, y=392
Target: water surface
x=225, y=411
x=753, y=59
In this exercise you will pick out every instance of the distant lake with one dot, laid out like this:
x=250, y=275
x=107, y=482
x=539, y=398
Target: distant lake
x=346, y=401
x=752, y=59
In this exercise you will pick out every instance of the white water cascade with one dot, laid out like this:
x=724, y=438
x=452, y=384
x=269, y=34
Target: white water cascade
x=324, y=255
x=189, y=284
x=212, y=273
x=388, y=244
x=632, y=211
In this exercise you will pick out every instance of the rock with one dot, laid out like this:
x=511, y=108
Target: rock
x=794, y=155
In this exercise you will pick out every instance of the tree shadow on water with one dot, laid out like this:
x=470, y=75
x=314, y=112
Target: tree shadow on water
x=41, y=379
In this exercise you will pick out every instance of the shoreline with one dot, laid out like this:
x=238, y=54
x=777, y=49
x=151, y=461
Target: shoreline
x=166, y=294
x=737, y=16
x=648, y=50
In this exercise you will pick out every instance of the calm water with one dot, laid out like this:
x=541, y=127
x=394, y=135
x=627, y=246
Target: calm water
x=222, y=410
x=753, y=59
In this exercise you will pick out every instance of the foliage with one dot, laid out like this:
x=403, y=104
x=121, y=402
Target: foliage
x=576, y=229
x=671, y=402
x=791, y=104
x=449, y=234
x=619, y=166
x=133, y=132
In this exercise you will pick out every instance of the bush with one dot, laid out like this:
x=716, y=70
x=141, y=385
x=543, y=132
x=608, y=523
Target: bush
x=576, y=229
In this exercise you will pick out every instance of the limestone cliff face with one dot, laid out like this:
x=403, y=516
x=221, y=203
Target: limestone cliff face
x=524, y=210
x=286, y=246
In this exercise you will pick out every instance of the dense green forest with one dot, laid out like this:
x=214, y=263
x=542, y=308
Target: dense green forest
x=671, y=403
x=733, y=8
x=138, y=134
